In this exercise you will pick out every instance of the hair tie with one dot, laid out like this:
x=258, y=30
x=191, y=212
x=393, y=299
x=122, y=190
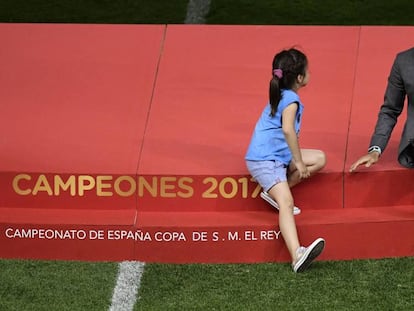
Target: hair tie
x=278, y=73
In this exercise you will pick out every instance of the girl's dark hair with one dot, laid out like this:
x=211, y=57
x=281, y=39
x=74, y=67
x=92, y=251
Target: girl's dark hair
x=287, y=65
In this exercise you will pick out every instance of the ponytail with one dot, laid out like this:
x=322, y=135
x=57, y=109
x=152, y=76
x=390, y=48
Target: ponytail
x=274, y=95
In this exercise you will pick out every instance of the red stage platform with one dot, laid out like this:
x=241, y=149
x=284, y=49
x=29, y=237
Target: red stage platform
x=126, y=142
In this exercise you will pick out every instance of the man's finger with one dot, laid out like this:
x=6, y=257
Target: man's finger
x=354, y=166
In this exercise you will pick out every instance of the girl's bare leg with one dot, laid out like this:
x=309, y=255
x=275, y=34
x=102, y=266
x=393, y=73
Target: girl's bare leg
x=281, y=193
x=314, y=159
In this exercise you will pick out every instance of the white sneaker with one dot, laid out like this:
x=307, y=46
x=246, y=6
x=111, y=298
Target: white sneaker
x=265, y=196
x=306, y=255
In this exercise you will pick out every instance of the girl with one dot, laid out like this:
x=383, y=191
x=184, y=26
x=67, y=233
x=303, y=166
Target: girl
x=274, y=158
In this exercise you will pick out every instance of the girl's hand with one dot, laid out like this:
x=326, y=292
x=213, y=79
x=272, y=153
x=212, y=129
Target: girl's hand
x=302, y=169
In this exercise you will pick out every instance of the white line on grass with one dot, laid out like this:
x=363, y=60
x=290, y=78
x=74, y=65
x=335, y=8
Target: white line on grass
x=197, y=11
x=127, y=286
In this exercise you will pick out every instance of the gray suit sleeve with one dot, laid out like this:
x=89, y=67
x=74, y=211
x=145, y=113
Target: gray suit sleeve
x=391, y=108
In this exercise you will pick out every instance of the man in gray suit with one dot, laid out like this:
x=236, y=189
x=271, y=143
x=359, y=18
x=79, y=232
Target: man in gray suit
x=400, y=85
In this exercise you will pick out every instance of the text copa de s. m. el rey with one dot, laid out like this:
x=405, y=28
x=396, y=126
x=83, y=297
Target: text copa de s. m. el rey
x=139, y=235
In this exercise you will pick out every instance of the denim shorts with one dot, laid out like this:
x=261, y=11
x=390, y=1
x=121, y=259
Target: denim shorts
x=267, y=173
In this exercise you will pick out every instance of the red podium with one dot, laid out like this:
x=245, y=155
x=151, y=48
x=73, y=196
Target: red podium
x=126, y=142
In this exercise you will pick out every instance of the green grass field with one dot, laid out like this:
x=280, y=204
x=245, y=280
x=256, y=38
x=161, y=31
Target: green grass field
x=353, y=285
x=349, y=285
x=303, y=12
x=342, y=285
x=52, y=285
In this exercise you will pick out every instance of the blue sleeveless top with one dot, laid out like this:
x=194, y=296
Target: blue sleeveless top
x=268, y=141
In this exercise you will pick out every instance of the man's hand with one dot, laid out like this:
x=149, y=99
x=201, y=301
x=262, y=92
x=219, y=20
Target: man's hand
x=368, y=159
